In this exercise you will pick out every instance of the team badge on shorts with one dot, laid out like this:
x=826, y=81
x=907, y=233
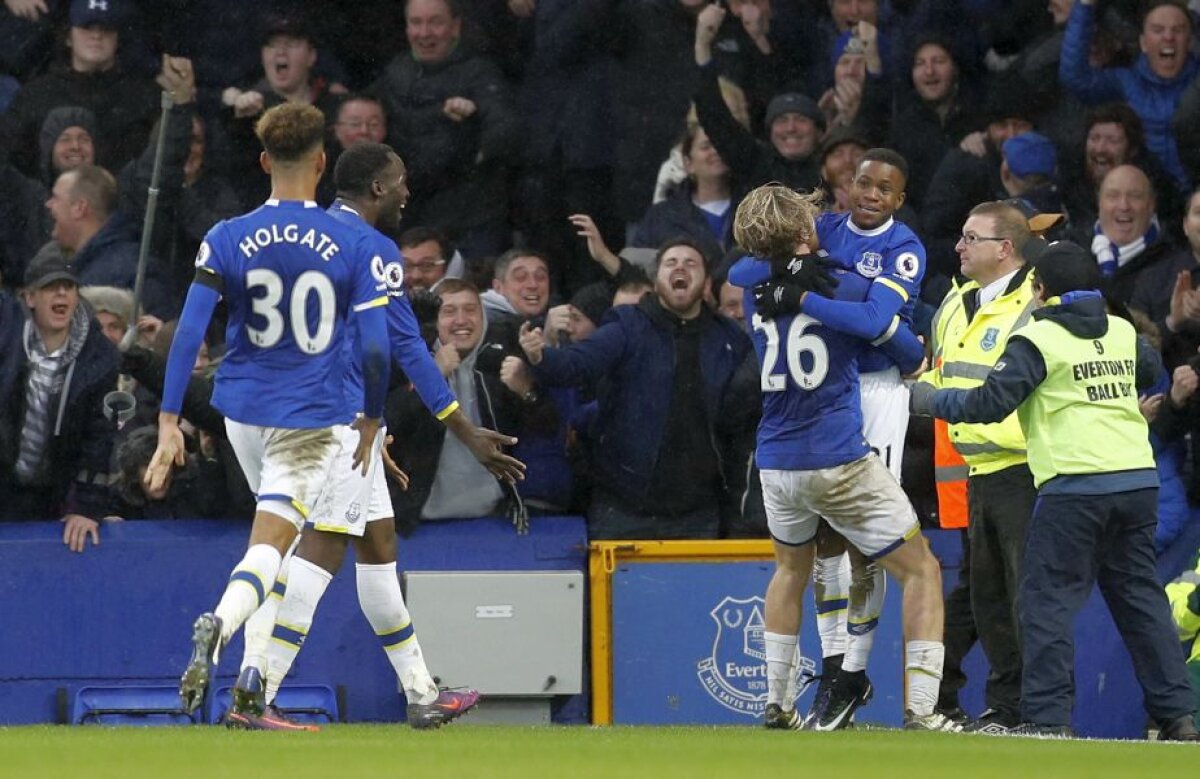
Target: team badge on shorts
x=354, y=513
x=870, y=264
x=990, y=338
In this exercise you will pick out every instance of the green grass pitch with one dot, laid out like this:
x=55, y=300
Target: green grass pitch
x=466, y=750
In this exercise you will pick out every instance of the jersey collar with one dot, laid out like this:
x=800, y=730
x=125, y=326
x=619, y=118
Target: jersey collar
x=275, y=202
x=883, y=228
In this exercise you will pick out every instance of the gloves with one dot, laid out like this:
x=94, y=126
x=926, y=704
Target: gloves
x=812, y=272
x=920, y=398
x=773, y=299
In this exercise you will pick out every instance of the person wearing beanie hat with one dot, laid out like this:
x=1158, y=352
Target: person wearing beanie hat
x=91, y=76
x=588, y=307
x=66, y=141
x=793, y=123
x=970, y=174
x=1076, y=367
x=841, y=151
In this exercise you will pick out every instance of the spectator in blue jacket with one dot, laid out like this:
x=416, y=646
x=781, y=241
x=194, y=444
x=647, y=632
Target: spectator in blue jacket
x=101, y=240
x=664, y=368
x=1154, y=85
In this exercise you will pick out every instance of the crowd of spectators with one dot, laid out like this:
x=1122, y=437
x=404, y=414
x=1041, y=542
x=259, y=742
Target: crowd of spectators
x=574, y=168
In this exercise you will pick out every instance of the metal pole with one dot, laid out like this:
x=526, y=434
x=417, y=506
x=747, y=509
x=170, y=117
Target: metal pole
x=151, y=208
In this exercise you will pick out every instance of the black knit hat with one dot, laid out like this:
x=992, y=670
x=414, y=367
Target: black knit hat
x=1065, y=267
x=593, y=301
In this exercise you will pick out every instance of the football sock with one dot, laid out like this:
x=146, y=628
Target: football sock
x=257, y=632
x=867, y=588
x=382, y=602
x=781, y=651
x=831, y=588
x=306, y=584
x=923, y=674
x=248, y=586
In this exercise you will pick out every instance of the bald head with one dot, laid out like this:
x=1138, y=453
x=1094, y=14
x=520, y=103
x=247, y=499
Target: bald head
x=1126, y=204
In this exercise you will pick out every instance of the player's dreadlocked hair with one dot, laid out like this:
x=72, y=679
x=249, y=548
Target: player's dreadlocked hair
x=291, y=131
x=773, y=218
x=359, y=166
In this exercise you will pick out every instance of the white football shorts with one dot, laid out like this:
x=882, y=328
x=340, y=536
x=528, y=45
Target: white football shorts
x=286, y=468
x=351, y=500
x=885, y=415
x=861, y=500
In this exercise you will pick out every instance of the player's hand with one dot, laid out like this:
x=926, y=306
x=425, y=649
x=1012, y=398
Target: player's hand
x=812, y=272
x=487, y=446
x=393, y=471
x=170, y=452
x=448, y=359
x=368, y=432
x=533, y=342
x=76, y=530
x=916, y=372
x=458, y=108
x=775, y=298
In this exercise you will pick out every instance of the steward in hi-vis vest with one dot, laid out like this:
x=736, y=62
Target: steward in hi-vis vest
x=1072, y=376
x=985, y=463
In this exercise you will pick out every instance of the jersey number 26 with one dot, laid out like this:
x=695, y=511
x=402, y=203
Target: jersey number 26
x=796, y=342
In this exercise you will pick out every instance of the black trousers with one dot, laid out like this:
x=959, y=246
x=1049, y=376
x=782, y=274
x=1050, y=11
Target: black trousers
x=959, y=634
x=999, y=505
x=1074, y=542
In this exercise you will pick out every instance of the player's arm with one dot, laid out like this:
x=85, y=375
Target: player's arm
x=374, y=359
x=749, y=272
x=1015, y=376
x=869, y=319
x=901, y=344
x=408, y=349
x=202, y=299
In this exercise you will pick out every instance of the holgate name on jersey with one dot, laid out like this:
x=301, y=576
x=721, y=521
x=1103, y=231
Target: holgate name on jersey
x=263, y=237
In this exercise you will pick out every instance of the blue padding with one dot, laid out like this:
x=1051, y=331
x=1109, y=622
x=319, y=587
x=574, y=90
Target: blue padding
x=158, y=576
x=129, y=705
x=315, y=704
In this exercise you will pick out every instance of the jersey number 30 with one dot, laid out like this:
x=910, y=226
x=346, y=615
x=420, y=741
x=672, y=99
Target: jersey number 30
x=796, y=343
x=267, y=306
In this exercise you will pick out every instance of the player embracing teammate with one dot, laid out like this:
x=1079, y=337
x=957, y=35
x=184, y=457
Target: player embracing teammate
x=814, y=458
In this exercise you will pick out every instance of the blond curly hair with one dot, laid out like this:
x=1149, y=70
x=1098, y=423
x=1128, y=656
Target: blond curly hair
x=773, y=219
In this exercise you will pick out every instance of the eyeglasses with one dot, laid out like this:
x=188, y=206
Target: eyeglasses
x=970, y=239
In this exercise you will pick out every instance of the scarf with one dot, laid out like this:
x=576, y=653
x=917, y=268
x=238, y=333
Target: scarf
x=1110, y=257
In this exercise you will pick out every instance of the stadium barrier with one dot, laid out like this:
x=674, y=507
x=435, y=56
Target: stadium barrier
x=120, y=613
x=676, y=638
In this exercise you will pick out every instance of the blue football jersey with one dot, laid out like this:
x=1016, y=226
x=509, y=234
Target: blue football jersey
x=890, y=255
x=812, y=415
x=291, y=276
x=404, y=332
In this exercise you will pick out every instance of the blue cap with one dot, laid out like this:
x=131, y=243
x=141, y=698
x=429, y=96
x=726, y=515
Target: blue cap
x=1030, y=154
x=105, y=13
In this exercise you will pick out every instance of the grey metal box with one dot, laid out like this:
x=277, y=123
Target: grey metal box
x=501, y=632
